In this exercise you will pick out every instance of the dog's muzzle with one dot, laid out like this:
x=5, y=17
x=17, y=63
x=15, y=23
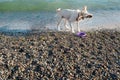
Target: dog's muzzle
x=89, y=16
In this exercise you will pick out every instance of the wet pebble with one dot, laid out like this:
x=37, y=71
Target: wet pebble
x=21, y=50
x=89, y=65
x=113, y=76
x=50, y=53
x=27, y=55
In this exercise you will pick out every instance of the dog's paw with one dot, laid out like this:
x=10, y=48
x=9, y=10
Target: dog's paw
x=73, y=31
x=78, y=30
x=59, y=29
x=67, y=29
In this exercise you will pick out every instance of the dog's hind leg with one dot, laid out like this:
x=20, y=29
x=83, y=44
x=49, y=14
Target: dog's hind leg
x=58, y=25
x=66, y=27
x=78, y=27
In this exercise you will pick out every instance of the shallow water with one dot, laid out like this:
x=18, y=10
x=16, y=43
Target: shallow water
x=51, y=5
x=24, y=15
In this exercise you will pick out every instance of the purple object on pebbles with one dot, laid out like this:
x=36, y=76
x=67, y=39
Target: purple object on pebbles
x=81, y=34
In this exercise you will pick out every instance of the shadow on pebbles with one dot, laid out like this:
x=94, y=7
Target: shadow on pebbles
x=60, y=56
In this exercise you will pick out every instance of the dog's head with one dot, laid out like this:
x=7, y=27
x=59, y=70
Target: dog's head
x=84, y=13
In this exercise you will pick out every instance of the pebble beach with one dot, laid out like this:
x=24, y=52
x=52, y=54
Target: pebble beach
x=60, y=56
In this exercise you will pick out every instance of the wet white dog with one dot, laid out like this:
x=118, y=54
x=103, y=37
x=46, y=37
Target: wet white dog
x=70, y=16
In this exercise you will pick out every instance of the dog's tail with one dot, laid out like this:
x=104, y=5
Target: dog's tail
x=58, y=9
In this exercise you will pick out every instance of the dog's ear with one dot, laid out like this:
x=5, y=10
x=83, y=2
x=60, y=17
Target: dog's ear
x=84, y=8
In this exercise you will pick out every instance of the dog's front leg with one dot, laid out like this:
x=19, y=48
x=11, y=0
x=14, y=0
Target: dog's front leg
x=58, y=25
x=71, y=27
x=78, y=27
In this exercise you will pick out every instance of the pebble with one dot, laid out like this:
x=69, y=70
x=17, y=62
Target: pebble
x=21, y=50
x=27, y=55
x=60, y=55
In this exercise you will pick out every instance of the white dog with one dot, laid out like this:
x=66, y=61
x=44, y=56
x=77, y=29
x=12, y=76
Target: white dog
x=72, y=16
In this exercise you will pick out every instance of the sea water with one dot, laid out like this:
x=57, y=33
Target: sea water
x=23, y=15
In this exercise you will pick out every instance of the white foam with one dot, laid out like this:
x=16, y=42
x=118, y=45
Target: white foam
x=20, y=25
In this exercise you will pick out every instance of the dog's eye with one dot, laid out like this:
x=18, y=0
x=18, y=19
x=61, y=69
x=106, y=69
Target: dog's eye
x=83, y=18
x=89, y=16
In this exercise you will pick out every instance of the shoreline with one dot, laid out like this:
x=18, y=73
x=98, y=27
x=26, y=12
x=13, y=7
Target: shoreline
x=35, y=31
x=40, y=20
x=60, y=55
